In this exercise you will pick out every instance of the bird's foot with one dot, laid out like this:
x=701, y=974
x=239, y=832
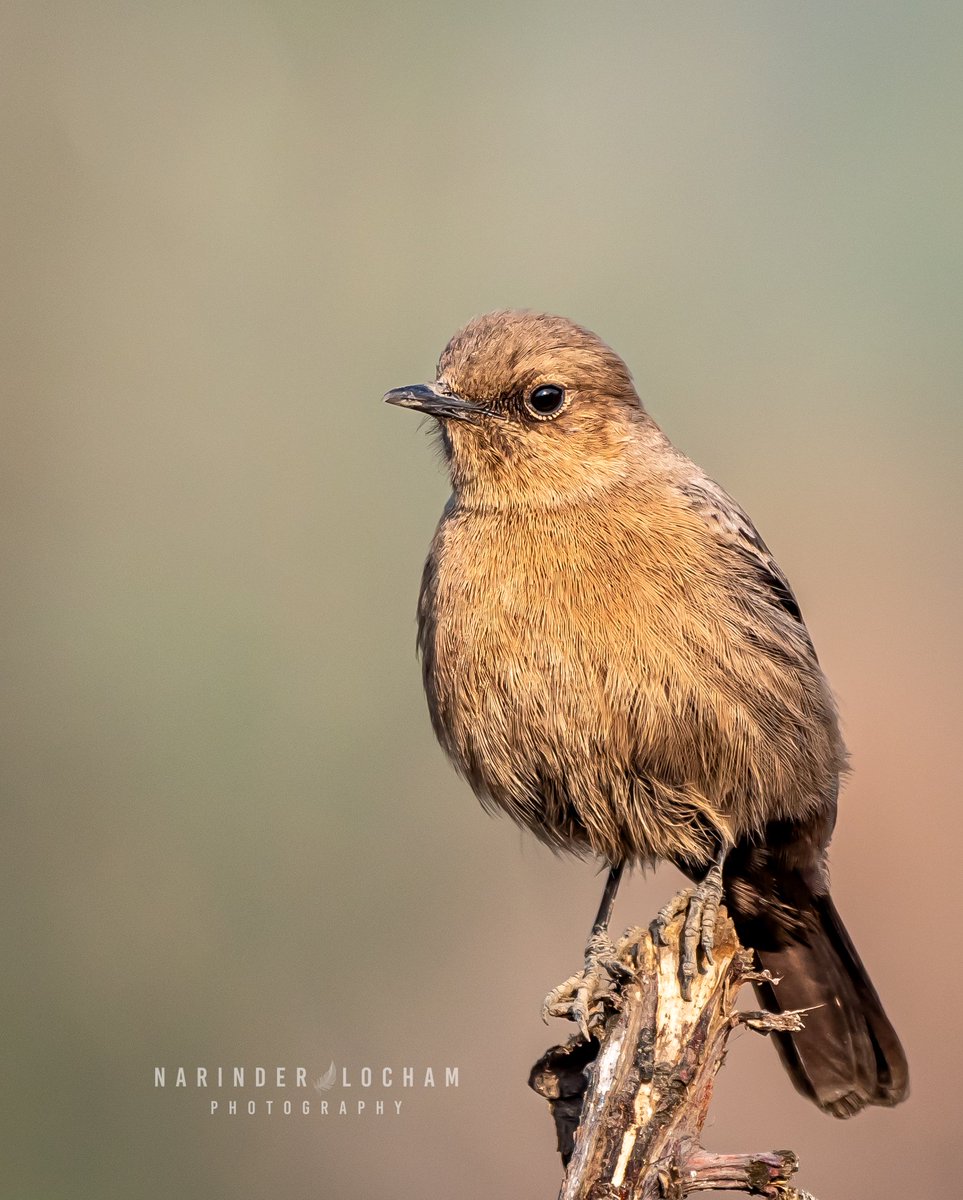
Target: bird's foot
x=701, y=906
x=586, y=995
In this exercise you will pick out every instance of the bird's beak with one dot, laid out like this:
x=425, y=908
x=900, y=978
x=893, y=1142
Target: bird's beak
x=431, y=399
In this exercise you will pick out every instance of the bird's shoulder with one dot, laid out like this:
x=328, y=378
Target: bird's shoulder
x=734, y=529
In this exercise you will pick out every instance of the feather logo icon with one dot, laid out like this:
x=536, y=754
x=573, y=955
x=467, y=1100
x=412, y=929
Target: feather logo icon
x=326, y=1081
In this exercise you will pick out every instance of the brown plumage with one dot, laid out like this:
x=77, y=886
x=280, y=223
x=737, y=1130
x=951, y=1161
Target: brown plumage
x=612, y=656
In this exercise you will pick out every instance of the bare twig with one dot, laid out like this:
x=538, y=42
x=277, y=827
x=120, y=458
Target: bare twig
x=629, y=1109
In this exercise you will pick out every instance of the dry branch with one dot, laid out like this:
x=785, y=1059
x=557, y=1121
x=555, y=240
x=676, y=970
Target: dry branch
x=629, y=1108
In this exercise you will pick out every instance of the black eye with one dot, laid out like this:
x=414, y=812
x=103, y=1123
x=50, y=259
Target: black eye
x=546, y=401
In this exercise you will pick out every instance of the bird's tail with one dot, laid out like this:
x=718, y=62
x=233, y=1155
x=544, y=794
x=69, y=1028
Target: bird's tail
x=848, y=1054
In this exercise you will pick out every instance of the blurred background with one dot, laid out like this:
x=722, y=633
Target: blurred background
x=229, y=837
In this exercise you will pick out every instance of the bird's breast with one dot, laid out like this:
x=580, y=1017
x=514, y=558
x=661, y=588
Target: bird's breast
x=546, y=657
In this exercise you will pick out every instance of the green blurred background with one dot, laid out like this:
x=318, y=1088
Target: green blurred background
x=229, y=836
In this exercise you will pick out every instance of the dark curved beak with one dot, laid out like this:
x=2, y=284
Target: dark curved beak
x=431, y=399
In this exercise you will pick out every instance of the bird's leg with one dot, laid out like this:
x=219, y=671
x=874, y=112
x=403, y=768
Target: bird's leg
x=701, y=906
x=583, y=997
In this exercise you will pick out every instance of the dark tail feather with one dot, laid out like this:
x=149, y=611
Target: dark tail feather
x=848, y=1054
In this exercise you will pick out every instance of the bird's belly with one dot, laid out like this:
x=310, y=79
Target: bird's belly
x=569, y=733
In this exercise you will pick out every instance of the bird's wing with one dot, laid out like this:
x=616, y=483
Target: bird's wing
x=735, y=528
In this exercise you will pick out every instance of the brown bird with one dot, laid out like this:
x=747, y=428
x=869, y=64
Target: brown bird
x=612, y=656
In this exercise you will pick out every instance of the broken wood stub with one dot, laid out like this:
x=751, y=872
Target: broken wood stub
x=629, y=1109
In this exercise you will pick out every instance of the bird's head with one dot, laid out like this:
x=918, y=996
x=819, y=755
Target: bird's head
x=531, y=408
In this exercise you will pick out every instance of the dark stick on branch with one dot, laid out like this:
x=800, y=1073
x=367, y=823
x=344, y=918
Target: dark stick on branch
x=629, y=1109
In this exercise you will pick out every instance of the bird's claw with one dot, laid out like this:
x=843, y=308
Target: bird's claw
x=701, y=906
x=585, y=996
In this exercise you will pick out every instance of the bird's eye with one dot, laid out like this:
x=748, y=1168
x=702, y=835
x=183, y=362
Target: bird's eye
x=546, y=401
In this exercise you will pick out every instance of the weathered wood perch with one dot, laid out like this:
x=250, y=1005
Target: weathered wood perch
x=629, y=1109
